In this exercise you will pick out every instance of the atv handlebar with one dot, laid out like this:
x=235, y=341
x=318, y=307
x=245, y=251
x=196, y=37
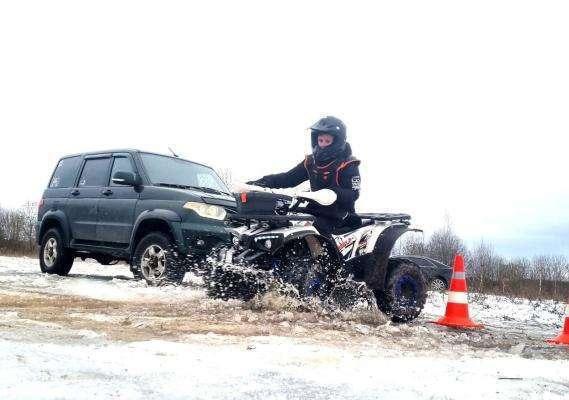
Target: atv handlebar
x=323, y=197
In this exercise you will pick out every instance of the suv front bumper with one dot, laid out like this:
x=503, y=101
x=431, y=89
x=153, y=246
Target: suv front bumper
x=198, y=239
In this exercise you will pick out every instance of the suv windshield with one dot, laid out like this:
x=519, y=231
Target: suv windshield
x=175, y=172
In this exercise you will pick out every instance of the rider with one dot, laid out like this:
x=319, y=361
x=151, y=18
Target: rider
x=330, y=166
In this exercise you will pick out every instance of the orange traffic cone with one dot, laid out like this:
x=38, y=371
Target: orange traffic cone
x=563, y=338
x=456, y=315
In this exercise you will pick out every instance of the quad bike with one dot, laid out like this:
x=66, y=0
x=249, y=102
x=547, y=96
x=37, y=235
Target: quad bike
x=275, y=242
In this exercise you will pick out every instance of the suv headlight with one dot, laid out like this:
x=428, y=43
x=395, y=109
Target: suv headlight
x=206, y=210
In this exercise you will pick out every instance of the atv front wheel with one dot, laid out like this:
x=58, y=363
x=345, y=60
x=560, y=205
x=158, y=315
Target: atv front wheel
x=226, y=281
x=404, y=295
x=346, y=295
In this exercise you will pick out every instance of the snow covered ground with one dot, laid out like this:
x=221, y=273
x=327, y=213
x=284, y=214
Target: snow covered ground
x=100, y=334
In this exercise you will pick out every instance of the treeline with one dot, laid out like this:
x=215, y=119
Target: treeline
x=539, y=277
x=18, y=230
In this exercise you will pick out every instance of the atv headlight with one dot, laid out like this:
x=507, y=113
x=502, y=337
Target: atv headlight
x=206, y=210
x=235, y=241
x=267, y=242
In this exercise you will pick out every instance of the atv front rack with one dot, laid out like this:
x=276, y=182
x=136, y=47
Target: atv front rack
x=405, y=218
x=269, y=217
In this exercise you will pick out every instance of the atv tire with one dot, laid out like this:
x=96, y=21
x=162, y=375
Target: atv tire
x=236, y=282
x=348, y=294
x=404, y=295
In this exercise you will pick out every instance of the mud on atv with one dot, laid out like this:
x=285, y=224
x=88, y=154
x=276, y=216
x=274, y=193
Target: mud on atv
x=286, y=250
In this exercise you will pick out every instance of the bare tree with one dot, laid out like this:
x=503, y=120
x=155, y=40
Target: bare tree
x=549, y=270
x=539, y=271
x=484, y=265
x=30, y=215
x=513, y=276
x=444, y=244
x=226, y=176
x=412, y=244
x=17, y=230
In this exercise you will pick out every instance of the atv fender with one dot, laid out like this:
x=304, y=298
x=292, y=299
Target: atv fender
x=375, y=267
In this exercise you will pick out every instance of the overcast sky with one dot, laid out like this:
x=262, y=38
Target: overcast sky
x=455, y=108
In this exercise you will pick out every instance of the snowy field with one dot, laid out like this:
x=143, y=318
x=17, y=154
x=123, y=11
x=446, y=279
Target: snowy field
x=100, y=334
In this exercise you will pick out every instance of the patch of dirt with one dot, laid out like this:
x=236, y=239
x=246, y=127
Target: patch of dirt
x=271, y=315
x=134, y=321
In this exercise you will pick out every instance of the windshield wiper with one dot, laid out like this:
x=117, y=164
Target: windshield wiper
x=171, y=185
x=209, y=190
x=202, y=188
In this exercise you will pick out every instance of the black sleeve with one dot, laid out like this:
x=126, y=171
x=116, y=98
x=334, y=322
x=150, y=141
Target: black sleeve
x=349, y=188
x=294, y=177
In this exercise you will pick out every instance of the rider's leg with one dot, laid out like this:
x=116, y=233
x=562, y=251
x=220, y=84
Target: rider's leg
x=325, y=226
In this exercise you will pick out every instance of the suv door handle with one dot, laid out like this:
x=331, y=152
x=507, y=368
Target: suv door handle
x=75, y=192
x=107, y=192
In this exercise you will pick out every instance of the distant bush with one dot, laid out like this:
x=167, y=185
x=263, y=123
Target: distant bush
x=18, y=230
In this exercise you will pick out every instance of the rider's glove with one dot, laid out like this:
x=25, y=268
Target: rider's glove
x=259, y=182
x=282, y=208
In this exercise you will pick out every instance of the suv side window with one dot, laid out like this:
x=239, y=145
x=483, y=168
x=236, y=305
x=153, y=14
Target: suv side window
x=65, y=173
x=95, y=172
x=122, y=164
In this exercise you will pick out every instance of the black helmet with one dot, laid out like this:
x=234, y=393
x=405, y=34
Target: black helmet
x=334, y=127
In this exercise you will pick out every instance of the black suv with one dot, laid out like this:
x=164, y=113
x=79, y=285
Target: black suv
x=161, y=214
x=437, y=274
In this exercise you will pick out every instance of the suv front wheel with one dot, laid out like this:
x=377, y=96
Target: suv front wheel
x=54, y=257
x=157, y=261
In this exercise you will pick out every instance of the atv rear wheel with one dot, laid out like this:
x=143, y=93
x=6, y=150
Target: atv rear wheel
x=404, y=295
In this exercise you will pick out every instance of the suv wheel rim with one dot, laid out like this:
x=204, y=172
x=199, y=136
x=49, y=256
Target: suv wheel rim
x=438, y=285
x=50, y=252
x=153, y=262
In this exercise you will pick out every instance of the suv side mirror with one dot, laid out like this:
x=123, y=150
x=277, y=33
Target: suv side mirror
x=125, y=178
